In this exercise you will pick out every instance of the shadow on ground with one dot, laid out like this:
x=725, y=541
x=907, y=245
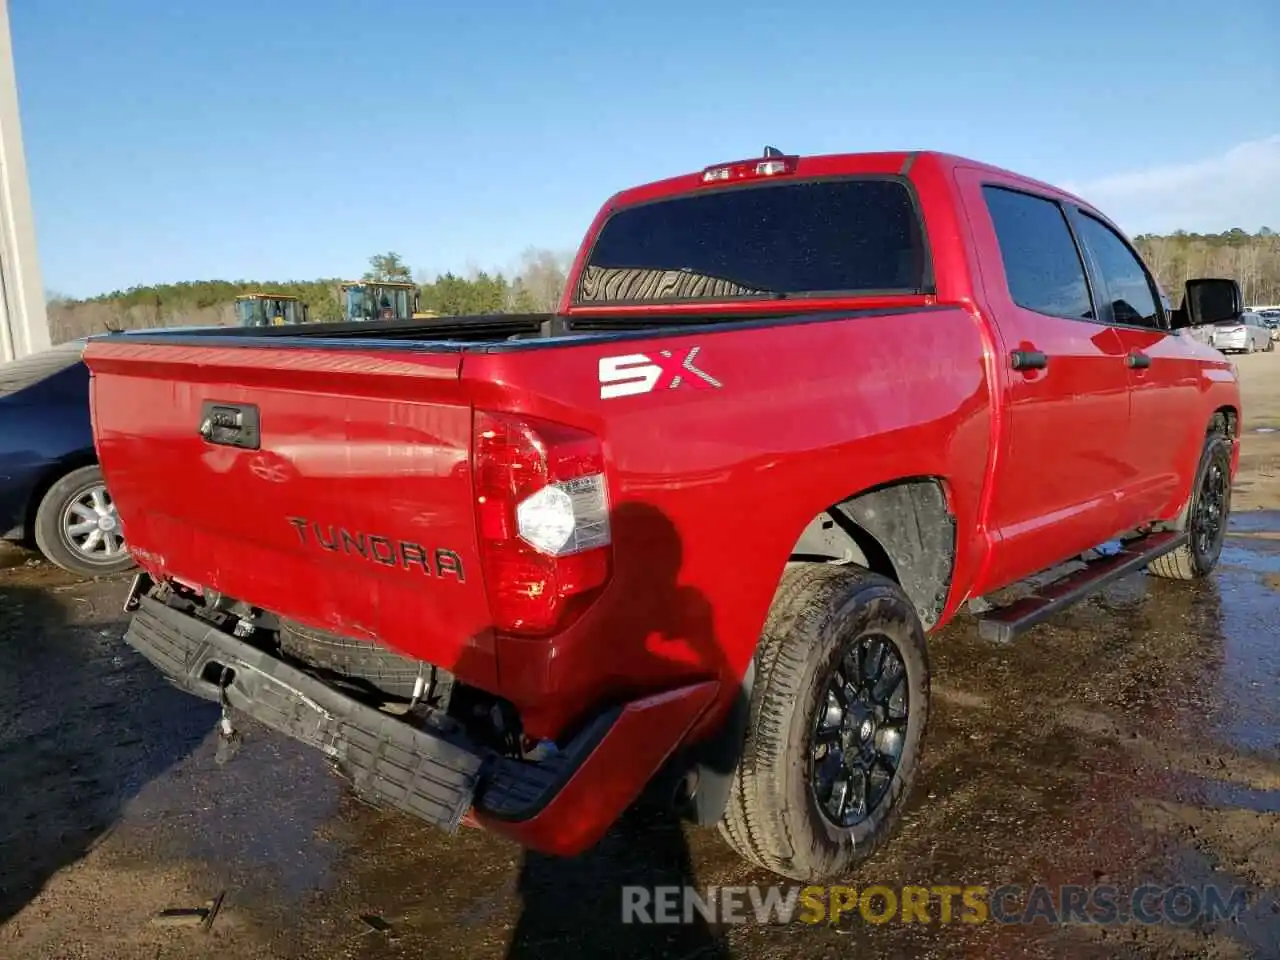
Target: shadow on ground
x=573, y=907
x=86, y=724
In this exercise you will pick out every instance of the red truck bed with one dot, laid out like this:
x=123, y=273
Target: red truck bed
x=365, y=454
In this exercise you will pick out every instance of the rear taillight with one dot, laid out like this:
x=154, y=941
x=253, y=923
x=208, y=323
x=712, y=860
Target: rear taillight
x=543, y=514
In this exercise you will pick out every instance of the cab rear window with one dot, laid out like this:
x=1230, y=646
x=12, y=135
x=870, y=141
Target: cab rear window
x=792, y=239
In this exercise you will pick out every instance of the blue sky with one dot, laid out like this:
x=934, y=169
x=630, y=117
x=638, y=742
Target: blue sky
x=281, y=140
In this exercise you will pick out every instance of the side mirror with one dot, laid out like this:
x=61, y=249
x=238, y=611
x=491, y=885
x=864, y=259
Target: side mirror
x=1209, y=300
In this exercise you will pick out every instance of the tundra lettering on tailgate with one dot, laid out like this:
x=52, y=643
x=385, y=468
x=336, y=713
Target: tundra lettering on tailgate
x=378, y=549
x=635, y=373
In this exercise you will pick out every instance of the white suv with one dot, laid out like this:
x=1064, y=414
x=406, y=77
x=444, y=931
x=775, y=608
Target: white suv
x=1245, y=335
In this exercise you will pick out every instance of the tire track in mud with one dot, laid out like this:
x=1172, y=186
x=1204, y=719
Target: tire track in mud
x=1138, y=746
x=1253, y=772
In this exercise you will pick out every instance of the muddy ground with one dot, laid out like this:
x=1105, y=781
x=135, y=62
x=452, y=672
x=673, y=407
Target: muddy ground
x=1134, y=739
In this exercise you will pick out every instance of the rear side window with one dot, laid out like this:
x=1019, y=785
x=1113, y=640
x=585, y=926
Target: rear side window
x=1133, y=301
x=853, y=236
x=1041, y=262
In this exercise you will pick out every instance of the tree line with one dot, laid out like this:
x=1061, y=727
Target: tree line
x=535, y=287
x=1252, y=260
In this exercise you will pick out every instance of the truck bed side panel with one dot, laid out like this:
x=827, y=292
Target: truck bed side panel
x=712, y=486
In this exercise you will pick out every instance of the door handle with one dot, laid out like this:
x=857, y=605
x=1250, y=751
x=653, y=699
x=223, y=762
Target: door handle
x=1028, y=360
x=1138, y=360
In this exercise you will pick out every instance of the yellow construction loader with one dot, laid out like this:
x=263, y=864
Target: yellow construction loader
x=269, y=310
x=381, y=300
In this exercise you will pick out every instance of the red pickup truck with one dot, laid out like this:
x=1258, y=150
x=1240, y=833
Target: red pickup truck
x=690, y=532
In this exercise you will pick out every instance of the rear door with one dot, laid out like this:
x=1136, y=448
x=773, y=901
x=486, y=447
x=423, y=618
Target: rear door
x=1258, y=331
x=1163, y=368
x=1060, y=480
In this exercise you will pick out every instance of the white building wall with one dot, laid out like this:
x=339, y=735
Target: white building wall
x=24, y=326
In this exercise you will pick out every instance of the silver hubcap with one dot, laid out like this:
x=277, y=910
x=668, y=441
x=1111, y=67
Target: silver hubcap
x=91, y=526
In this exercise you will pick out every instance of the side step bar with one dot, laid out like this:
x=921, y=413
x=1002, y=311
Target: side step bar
x=1004, y=624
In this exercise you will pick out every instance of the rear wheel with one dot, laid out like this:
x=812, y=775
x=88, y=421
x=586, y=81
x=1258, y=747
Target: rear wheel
x=1207, y=513
x=838, y=713
x=77, y=527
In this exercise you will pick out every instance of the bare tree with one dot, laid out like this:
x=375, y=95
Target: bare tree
x=540, y=281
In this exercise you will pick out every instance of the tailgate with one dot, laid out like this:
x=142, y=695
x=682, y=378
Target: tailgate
x=329, y=485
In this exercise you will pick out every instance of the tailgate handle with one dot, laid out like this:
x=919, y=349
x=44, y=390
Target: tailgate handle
x=230, y=424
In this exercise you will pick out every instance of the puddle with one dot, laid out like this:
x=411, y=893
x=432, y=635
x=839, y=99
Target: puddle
x=229, y=813
x=1220, y=794
x=1255, y=927
x=1248, y=680
x=1255, y=521
x=1262, y=558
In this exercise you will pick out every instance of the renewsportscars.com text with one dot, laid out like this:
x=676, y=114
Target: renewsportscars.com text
x=942, y=904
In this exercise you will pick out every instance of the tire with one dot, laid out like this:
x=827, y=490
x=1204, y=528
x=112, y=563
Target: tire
x=820, y=616
x=70, y=503
x=1208, y=512
x=364, y=660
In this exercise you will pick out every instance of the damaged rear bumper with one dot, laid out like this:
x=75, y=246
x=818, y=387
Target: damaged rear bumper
x=560, y=806
x=421, y=773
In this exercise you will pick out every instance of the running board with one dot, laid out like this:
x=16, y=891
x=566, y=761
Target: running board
x=1004, y=624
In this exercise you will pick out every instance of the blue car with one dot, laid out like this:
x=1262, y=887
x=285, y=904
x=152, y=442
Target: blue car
x=51, y=491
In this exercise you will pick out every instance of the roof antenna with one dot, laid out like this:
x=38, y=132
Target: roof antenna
x=772, y=152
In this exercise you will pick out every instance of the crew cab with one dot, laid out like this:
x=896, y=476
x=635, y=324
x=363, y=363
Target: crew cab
x=687, y=535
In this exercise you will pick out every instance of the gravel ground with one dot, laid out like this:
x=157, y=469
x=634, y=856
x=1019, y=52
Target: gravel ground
x=1134, y=739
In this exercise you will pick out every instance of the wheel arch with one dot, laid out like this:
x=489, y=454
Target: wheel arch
x=51, y=475
x=904, y=529
x=1231, y=415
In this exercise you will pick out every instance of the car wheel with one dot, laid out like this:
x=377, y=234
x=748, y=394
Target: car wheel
x=1207, y=513
x=838, y=713
x=77, y=527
